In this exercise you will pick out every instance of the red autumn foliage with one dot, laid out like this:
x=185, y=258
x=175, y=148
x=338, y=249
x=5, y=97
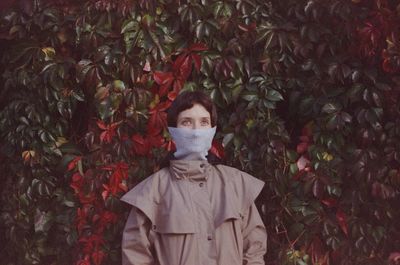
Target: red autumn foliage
x=77, y=182
x=143, y=145
x=108, y=217
x=109, y=131
x=115, y=183
x=329, y=202
x=73, y=163
x=98, y=257
x=83, y=262
x=318, y=254
x=181, y=69
x=140, y=146
x=342, y=220
x=217, y=149
x=394, y=258
x=91, y=243
x=169, y=145
x=81, y=219
x=305, y=139
x=87, y=197
x=158, y=117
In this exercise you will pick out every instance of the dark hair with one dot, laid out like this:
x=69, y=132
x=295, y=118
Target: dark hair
x=185, y=101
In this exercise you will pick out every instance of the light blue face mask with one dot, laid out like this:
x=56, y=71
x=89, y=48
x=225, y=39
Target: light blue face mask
x=192, y=144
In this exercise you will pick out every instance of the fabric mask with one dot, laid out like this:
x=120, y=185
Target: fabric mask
x=192, y=144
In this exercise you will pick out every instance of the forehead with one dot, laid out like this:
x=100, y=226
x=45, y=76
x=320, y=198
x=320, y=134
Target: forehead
x=197, y=111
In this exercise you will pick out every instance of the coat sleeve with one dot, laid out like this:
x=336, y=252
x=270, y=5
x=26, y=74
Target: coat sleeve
x=136, y=245
x=254, y=238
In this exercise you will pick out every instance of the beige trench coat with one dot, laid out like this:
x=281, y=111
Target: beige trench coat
x=194, y=213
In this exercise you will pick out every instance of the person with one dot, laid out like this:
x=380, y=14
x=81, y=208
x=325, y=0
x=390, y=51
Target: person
x=194, y=212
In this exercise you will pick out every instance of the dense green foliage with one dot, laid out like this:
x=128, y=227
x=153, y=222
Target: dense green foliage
x=307, y=95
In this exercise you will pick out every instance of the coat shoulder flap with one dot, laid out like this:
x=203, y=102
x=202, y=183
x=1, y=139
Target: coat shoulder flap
x=245, y=187
x=163, y=203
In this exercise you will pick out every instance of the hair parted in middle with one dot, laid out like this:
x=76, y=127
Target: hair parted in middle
x=185, y=101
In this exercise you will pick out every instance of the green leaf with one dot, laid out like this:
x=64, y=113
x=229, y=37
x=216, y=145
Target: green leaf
x=250, y=96
x=331, y=108
x=274, y=95
x=43, y=221
x=227, y=139
x=291, y=155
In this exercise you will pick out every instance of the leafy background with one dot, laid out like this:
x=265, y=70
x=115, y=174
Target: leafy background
x=307, y=96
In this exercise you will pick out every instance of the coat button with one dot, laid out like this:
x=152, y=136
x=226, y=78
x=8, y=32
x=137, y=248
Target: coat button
x=201, y=184
x=209, y=237
x=154, y=227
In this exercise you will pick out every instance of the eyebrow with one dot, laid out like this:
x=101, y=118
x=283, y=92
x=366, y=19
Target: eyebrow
x=205, y=117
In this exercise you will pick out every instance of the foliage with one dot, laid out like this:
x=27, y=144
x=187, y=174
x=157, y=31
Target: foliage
x=307, y=95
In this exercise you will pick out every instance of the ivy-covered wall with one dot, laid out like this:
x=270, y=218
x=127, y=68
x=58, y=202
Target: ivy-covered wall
x=307, y=94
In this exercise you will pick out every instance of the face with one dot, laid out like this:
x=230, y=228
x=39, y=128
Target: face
x=197, y=117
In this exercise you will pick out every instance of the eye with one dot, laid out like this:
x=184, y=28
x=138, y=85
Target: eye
x=205, y=122
x=185, y=122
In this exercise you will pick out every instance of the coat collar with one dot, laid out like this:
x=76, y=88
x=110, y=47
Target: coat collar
x=189, y=169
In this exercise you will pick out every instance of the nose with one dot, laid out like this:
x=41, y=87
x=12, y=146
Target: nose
x=196, y=125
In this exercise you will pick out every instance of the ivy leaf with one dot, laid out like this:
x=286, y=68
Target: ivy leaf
x=342, y=220
x=274, y=95
x=331, y=108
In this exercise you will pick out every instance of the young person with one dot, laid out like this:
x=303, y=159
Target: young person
x=193, y=212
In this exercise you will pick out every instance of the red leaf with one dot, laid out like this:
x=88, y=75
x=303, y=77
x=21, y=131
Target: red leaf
x=163, y=90
x=185, y=69
x=341, y=217
x=179, y=61
x=302, y=147
x=77, y=182
x=109, y=131
x=382, y=191
x=299, y=174
x=330, y=202
x=119, y=173
x=198, y=47
x=178, y=84
x=247, y=28
x=101, y=125
x=114, y=125
x=83, y=262
x=87, y=198
x=158, y=120
x=197, y=61
x=318, y=255
x=163, y=78
x=104, y=137
x=123, y=187
x=73, y=163
x=394, y=257
x=140, y=146
x=137, y=138
x=217, y=149
x=91, y=243
x=172, y=95
x=169, y=146
x=108, y=217
x=105, y=192
x=155, y=140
